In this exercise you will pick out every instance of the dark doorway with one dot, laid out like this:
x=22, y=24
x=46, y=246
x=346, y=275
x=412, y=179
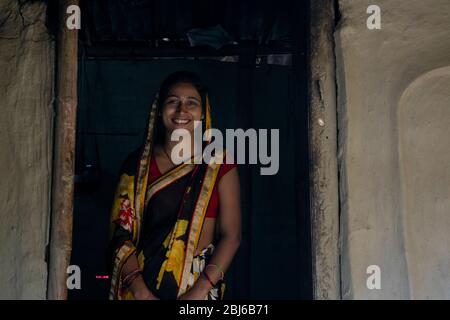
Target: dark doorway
x=257, y=80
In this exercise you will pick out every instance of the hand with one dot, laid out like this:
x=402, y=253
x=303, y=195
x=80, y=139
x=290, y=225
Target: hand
x=199, y=291
x=193, y=295
x=144, y=295
x=140, y=290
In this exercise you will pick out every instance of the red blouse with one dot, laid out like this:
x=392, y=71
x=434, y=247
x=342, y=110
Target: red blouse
x=213, y=207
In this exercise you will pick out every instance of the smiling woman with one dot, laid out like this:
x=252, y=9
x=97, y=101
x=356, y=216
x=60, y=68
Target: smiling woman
x=165, y=216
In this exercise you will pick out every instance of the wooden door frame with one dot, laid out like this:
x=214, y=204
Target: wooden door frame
x=60, y=245
x=324, y=199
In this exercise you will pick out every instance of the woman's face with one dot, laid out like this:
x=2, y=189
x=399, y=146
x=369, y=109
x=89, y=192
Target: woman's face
x=181, y=108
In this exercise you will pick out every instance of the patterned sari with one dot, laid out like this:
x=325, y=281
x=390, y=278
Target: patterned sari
x=160, y=221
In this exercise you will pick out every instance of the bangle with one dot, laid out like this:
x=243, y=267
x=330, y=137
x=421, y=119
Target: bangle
x=129, y=275
x=218, y=268
x=209, y=280
x=129, y=278
x=130, y=281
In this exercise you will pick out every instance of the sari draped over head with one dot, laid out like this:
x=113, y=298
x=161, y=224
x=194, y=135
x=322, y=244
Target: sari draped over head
x=161, y=220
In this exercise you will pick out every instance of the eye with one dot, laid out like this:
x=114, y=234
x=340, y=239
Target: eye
x=171, y=101
x=193, y=103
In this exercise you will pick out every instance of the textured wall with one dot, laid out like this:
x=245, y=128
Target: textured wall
x=424, y=118
x=26, y=93
x=394, y=148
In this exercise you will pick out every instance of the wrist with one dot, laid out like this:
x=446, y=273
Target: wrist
x=138, y=285
x=203, y=284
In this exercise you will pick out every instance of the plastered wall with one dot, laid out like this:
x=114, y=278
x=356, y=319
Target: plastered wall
x=394, y=148
x=26, y=93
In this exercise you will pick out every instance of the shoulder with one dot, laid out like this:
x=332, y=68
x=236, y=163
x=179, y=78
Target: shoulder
x=227, y=165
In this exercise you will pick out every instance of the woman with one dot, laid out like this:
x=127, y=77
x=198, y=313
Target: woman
x=175, y=228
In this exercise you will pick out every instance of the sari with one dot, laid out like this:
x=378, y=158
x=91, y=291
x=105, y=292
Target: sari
x=161, y=221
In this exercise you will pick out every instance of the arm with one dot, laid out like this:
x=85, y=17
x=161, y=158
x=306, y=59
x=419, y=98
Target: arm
x=230, y=234
x=137, y=287
x=121, y=218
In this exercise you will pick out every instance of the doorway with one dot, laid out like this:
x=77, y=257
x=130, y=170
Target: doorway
x=257, y=82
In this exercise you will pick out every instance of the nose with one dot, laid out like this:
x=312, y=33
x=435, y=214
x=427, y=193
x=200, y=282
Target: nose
x=182, y=106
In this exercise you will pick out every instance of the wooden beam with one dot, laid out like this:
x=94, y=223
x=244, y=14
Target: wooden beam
x=323, y=152
x=63, y=159
x=127, y=50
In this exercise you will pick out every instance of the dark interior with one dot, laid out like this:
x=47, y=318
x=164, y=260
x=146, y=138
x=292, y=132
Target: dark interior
x=251, y=55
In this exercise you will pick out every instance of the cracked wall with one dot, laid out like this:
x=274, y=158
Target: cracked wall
x=394, y=149
x=26, y=93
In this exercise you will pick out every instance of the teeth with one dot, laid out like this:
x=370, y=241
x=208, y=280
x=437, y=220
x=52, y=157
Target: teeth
x=180, y=121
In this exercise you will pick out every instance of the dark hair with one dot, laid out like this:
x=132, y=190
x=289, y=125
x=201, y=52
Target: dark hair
x=180, y=77
x=169, y=82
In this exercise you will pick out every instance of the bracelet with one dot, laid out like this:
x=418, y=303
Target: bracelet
x=129, y=275
x=218, y=268
x=209, y=280
x=129, y=278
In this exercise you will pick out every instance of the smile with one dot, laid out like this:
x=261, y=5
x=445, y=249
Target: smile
x=181, y=121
